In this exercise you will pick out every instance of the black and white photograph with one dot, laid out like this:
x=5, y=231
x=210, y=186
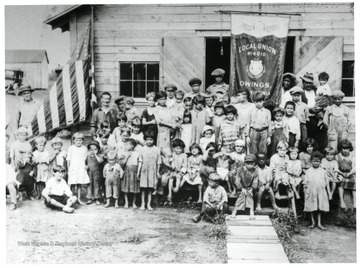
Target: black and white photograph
x=180, y=132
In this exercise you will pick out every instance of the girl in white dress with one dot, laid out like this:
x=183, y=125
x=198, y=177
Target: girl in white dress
x=76, y=157
x=41, y=158
x=186, y=130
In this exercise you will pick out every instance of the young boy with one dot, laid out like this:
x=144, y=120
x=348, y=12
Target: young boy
x=57, y=193
x=209, y=101
x=323, y=89
x=94, y=162
x=218, y=75
x=170, y=93
x=301, y=112
x=265, y=179
x=218, y=119
x=257, y=132
x=246, y=182
x=292, y=125
x=215, y=199
x=195, y=84
x=112, y=174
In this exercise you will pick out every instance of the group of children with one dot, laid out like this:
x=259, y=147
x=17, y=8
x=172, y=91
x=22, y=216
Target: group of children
x=199, y=140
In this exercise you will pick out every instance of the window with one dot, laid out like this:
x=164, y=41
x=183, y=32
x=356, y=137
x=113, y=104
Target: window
x=347, y=83
x=139, y=78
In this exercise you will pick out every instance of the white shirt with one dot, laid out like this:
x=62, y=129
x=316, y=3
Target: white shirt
x=170, y=102
x=310, y=95
x=55, y=187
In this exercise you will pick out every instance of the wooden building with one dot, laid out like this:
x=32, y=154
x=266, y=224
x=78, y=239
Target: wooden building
x=139, y=48
x=34, y=64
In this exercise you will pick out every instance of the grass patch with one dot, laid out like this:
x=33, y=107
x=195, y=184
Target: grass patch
x=219, y=229
x=135, y=239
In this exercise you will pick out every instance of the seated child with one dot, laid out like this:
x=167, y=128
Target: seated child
x=294, y=171
x=331, y=167
x=208, y=136
x=11, y=185
x=265, y=180
x=246, y=183
x=215, y=199
x=57, y=193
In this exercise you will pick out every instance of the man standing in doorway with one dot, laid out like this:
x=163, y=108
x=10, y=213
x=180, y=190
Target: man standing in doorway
x=218, y=75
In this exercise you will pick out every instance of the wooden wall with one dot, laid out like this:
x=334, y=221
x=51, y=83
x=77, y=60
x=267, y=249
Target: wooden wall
x=134, y=32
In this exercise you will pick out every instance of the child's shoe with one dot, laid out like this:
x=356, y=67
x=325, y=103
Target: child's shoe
x=196, y=218
x=89, y=202
x=68, y=209
x=97, y=202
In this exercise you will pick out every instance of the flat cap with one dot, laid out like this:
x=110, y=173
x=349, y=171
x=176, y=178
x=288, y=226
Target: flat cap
x=338, y=93
x=218, y=72
x=94, y=142
x=170, y=87
x=296, y=89
x=119, y=99
x=250, y=158
x=195, y=81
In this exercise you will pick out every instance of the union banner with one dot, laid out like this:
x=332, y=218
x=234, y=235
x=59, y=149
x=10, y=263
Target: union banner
x=258, y=54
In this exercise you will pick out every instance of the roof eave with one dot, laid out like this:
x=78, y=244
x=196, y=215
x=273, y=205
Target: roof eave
x=61, y=20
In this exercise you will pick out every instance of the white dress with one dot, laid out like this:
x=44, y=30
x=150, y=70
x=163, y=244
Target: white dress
x=42, y=161
x=185, y=135
x=77, y=171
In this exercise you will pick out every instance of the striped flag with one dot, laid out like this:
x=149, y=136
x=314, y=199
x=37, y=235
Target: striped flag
x=68, y=102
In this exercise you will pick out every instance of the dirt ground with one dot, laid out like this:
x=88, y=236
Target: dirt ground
x=94, y=234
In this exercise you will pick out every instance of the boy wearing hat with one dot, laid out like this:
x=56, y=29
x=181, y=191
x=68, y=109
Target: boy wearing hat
x=26, y=110
x=218, y=75
x=94, y=163
x=195, y=84
x=301, y=111
x=170, y=93
x=246, y=183
x=215, y=199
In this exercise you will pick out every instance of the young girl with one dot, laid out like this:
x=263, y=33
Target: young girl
x=179, y=167
x=331, y=167
x=76, y=157
x=347, y=171
x=208, y=136
x=177, y=111
x=186, y=130
x=278, y=164
x=163, y=119
x=316, y=190
x=305, y=157
x=292, y=125
x=21, y=136
x=237, y=161
x=193, y=176
x=277, y=129
x=199, y=118
x=337, y=116
x=294, y=170
x=121, y=120
x=41, y=159
x=218, y=119
x=120, y=147
x=230, y=129
x=94, y=163
x=148, y=117
x=131, y=161
x=26, y=171
x=136, y=133
x=150, y=171
x=58, y=157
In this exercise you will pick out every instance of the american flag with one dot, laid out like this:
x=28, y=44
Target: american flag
x=68, y=102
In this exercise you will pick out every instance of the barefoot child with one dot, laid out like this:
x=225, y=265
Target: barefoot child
x=76, y=157
x=316, y=190
x=218, y=119
x=57, y=193
x=150, y=171
x=94, y=162
x=237, y=161
x=265, y=180
x=112, y=173
x=215, y=199
x=131, y=161
x=246, y=182
x=332, y=168
x=294, y=171
x=41, y=158
x=347, y=171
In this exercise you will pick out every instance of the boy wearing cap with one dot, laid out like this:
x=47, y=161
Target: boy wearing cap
x=170, y=93
x=337, y=116
x=195, y=84
x=218, y=75
x=215, y=199
x=246, y=183
x=301, y=111
x=94, y=162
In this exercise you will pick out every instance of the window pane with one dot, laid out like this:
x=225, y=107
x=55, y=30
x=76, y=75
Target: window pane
x=139, y=71
x=152, y=71
x=139, y=89
x=348, y=69
x=347, y=86
x=126, y=88
x=152, y=87
x=125, y=71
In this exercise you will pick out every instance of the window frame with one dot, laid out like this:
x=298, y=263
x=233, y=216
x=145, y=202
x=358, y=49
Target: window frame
x=349, y=98
x=141, y=99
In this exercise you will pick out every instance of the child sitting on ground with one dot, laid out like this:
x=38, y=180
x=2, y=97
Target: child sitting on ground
x=57, y=193
x=294, y=171
x=112, y=173
x=265, y=181
x=246, y=182
x=215, y=199
x=208, y=136
x=331, y=167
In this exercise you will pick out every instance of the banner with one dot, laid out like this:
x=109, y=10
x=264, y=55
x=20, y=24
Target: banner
x=258, y=50
x=68, y=102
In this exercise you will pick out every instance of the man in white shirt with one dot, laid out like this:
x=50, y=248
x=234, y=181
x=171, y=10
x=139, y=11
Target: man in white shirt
x=57, y=193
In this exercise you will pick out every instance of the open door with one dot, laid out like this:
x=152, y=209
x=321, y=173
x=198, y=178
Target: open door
x=316, y=54
x=182, y=58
